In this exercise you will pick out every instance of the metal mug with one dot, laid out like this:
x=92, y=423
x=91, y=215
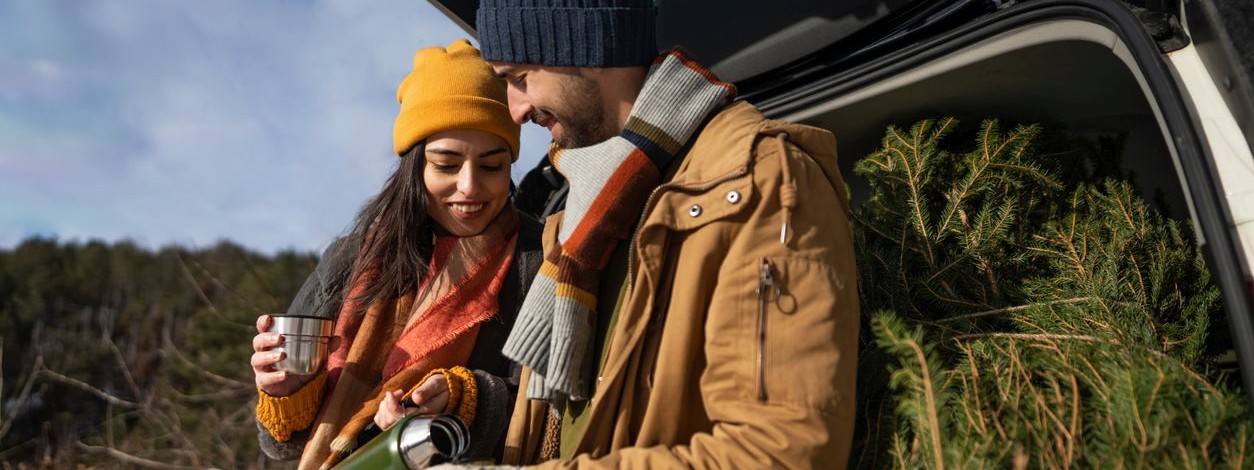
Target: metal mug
x=306, y=340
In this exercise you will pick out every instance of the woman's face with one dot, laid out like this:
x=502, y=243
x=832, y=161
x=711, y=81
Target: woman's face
x=466, y=178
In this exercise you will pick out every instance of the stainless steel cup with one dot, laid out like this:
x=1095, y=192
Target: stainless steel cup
x=306, y=340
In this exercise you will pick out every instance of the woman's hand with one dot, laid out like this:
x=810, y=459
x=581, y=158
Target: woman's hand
x=275, y=383
x=390, y=410
x=429, y=398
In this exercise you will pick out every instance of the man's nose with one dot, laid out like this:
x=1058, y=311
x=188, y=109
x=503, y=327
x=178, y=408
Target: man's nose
x=519, y=109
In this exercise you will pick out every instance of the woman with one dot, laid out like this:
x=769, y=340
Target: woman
x=434, y=271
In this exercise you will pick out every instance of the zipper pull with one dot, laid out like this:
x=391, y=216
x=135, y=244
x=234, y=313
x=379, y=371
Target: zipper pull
x=767, y=283
x=768, y=291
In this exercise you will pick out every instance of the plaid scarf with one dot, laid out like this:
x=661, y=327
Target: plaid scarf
x=394, y=343
x=609, y=184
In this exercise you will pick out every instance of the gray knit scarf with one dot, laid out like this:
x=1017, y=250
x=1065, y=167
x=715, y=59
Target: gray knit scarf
x=609, y=184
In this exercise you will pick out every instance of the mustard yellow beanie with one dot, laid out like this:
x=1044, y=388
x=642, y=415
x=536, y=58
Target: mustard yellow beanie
x=451, y=88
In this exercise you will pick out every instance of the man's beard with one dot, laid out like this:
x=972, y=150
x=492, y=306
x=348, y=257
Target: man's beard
x=584, y=122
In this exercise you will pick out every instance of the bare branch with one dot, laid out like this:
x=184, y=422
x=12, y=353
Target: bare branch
x=4, y=454
x=174, y=423
x=103, y=395
x=128, y=458
x=6, y=422
x=126, y=368
x=169, y=349
x=252, y=269
x=205, y=297
x=218, y=396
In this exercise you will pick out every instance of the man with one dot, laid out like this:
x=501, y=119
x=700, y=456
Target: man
x=698, y=302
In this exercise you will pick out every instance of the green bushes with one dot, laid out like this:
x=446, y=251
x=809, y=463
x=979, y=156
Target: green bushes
x=114, y=355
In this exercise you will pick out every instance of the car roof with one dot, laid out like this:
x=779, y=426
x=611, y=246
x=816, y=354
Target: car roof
x=742, y=39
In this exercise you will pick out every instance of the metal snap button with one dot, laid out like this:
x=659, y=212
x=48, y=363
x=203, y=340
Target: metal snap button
x=733, y=197
x=695, y=210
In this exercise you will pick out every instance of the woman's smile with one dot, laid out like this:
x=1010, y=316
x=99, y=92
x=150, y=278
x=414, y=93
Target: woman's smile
x=467, y=179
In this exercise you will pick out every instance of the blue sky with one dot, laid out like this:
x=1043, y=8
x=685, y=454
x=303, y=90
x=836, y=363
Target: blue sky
x=268, y=123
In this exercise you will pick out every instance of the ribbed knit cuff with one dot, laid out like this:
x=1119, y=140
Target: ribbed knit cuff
x=284, y=415
x=528, y=342
x=463, y=392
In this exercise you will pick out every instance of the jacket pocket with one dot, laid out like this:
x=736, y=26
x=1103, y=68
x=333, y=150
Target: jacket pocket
x=805, y=333
x=768, y=292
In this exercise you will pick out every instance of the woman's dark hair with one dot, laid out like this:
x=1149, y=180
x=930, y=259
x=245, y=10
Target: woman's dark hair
x=395, y=234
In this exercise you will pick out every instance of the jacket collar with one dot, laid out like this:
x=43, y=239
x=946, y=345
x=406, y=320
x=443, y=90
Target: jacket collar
x=716, y=166
x=724, y=146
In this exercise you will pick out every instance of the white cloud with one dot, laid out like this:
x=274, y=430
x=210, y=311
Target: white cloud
x=267, y=123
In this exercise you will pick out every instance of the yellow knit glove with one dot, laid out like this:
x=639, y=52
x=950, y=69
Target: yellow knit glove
x=463, y=392
x=284, y=415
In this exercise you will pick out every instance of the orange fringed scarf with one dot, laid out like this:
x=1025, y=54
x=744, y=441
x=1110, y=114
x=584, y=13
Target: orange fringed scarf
x=394, y=343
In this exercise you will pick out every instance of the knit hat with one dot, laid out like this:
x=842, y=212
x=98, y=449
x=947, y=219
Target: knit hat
x=451, y=88
x=576, y=33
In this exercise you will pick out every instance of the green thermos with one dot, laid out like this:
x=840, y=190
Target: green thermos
x=417, y=441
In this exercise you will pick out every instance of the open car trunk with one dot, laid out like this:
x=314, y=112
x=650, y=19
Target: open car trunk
x=1089, y=65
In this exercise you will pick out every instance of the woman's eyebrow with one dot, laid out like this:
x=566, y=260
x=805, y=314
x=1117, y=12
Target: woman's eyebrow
x=493, y=152
x=443, y=151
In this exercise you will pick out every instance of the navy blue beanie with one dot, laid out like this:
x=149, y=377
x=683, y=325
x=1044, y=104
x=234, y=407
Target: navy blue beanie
x=575, y=33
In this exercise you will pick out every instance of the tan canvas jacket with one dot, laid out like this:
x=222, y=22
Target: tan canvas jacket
x=733, y=350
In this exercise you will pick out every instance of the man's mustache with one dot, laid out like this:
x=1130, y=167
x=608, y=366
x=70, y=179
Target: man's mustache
x=539, y=115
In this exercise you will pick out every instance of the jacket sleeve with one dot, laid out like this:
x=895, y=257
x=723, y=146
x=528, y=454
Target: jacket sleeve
x=496, y=396
x=785, y=398
x=321, y=295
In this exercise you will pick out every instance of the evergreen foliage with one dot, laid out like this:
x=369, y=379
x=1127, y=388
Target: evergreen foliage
x=1031, y=310
x=118, y=356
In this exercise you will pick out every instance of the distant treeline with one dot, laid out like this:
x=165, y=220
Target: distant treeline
x=118, y=356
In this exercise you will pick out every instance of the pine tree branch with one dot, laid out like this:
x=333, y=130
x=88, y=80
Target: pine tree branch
x=1085, y=338
x=975, y=385
x=929, y=395
x=950, y=296
x=1015, y=309
x=912, y=180
x=1075, y=417
x=1035, y=336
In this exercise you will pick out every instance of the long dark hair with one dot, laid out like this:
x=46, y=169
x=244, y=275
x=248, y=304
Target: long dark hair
x=395, y=234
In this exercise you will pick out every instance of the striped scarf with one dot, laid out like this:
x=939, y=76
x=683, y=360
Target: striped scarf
x=392, y=344
x=609, y=185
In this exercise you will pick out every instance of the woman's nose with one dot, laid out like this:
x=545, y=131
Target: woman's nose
x=468, y=181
